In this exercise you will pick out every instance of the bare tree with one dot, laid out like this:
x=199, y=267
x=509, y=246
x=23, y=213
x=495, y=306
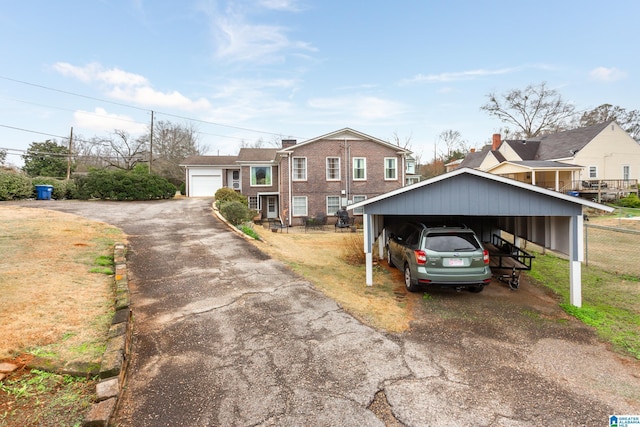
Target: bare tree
x=172, y=143
x=456, y=147
x=536, y=110
x=628, y=120
x=404, y=143
x=125, y=152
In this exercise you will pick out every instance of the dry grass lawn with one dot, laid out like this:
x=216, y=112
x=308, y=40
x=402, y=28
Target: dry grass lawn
x=53, y=306
x=334, y=263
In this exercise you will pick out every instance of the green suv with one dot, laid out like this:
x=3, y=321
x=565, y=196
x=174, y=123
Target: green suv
x=450, y=257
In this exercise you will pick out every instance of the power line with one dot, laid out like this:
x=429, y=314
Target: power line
x=141, y=109
x=32, y=131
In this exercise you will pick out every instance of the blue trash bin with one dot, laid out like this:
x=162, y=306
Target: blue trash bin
x=573, y=193
x=44, y=192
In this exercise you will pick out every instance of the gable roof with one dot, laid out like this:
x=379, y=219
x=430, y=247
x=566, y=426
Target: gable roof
x=347, y=133
x=474, y=160
x=564, y=145
x=555, y=146
x=525, y=149
x=491, y=205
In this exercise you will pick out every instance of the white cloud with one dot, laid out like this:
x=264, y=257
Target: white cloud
x=130, y=87
x=358, y=107
x=457, y=76
x=101, y=121
x=286, y=5
x=239, y=40
x=607, y=74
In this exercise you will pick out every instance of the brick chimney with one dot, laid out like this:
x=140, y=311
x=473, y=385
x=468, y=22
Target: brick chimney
x=497, y=140
x=286, y=143
x=473, y=150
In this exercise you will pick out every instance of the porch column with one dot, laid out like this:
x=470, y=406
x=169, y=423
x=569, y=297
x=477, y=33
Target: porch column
x=533, y=177
x=558, y=181
x=576, y=255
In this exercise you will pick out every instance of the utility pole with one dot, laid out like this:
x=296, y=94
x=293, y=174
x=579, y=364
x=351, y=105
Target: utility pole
x=69, y=156
x=151, y=143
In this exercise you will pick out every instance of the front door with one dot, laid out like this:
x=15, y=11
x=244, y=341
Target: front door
x=272, y=207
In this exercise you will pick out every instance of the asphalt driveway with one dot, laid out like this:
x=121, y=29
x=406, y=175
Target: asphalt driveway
x=225, y=336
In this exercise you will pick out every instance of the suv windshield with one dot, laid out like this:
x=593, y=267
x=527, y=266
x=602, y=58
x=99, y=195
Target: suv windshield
x=447, y=242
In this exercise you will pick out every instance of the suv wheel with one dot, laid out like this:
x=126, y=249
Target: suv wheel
x=407, y=280
x=389, y=257
x=476, y=289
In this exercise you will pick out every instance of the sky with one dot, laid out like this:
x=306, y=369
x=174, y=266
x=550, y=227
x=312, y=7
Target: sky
x=249, y=70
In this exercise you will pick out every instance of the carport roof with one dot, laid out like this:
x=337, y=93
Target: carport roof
x=472, y=192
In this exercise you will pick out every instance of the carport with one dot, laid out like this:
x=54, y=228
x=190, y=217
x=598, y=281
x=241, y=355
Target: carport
x=488, y=204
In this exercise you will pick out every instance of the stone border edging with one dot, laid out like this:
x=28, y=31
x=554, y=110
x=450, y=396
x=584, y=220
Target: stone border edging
x=115, y=359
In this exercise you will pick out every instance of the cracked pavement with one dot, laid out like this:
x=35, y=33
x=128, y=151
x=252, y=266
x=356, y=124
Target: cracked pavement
x=225, y=336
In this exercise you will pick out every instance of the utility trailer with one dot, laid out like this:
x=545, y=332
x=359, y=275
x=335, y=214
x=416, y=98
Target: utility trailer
x=507, y=261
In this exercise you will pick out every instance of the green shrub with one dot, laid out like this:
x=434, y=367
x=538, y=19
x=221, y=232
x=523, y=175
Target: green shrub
x=631, y=201
x=229, y=195
x=123, y=185
x=15, y=185
x=236, y=212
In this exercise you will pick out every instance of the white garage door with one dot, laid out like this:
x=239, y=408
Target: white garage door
x=205, y=185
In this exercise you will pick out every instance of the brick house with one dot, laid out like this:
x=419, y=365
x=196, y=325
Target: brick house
x=317, y=176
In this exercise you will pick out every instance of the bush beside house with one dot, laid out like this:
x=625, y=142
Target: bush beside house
x=98, y=184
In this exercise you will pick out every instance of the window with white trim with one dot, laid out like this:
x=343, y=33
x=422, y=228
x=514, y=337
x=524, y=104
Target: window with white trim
x=359, y=168
x=357, y=199
x=390, y=168
x=333, y=168
x=299, y=206
x=253, y=202
x=299, y=168
x=593, y=171
x=333, y=204
x=260, y=176
x=626, y=172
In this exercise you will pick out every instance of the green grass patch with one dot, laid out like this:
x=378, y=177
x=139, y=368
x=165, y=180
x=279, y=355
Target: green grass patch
x=610, y=302
x=249, y=231
x=102, y=270
x=31, y=403
x=104, y=261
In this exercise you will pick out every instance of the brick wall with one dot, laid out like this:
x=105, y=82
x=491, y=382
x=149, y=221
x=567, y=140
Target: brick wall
x=317, y=187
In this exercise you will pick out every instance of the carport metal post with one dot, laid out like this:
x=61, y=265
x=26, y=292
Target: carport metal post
x=576, y=255
x=368, y=247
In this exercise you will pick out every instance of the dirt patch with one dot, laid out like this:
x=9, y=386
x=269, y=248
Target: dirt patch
x=55, y=312
x=48, y=292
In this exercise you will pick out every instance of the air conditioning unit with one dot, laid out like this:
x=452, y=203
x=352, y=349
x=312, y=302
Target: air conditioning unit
x=236, y=185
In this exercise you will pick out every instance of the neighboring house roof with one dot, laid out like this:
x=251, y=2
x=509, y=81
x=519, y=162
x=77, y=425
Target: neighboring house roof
x=347, y=133
x=475, y=160
x=525, y=149
x=209, y=161
x=259, y=155
x=563, y=145
x=537, y=165
x=552, y=147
